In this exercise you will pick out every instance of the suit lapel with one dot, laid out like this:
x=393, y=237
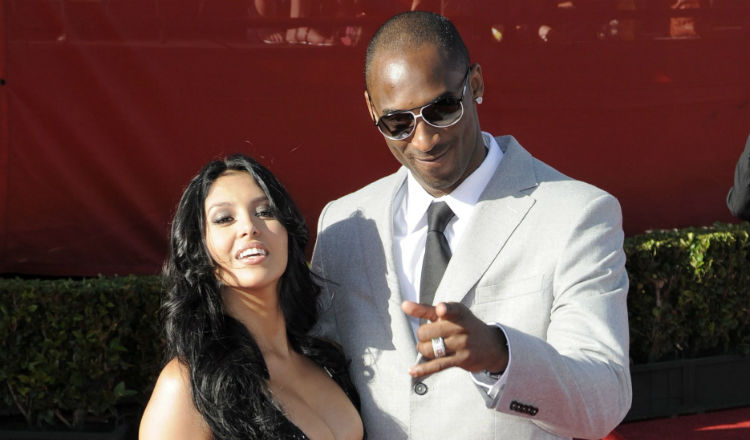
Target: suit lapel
x=382, y=211
x=501, y=208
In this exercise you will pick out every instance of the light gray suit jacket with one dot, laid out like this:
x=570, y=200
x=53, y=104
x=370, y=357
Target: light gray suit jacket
x=543, y=257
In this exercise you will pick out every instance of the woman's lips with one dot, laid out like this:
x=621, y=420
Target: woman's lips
x=252, y=254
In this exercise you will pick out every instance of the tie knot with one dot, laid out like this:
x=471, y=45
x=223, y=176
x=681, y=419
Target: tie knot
x=438, y=216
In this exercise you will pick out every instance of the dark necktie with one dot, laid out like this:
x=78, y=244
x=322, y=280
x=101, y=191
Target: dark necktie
x=436, y=251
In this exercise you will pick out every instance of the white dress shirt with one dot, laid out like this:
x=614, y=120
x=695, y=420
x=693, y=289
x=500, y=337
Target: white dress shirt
x=410, y=230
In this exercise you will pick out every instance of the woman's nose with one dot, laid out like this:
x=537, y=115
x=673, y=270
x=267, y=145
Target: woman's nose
x=249, y=227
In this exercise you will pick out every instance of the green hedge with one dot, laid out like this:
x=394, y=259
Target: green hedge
x=689, y=292
x=77, y=349
x=73, y=349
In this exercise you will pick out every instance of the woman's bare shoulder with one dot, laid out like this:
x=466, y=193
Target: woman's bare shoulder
x=174, y=380
x=170, y=413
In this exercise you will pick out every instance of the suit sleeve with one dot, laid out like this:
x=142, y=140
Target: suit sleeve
x=576, y=381
x=738, y=199
x=326, y=324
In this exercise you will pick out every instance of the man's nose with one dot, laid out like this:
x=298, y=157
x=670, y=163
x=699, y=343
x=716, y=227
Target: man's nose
x=425, y=136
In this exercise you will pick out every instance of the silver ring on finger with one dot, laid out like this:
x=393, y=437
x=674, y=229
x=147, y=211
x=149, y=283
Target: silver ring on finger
x=438, y=346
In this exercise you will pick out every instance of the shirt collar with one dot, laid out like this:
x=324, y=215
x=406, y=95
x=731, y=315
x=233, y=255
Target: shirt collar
x=462, y=199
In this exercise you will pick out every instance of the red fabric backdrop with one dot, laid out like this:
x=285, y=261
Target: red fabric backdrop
x=110, y=106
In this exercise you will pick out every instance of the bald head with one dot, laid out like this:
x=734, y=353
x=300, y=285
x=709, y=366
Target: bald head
x=411, y=30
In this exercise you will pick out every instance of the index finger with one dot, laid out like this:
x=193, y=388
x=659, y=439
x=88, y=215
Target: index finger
x=421, y=311
x=450, y=311
x=432, y=366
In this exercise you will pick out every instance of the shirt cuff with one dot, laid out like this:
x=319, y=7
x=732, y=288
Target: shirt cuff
x=493, y=386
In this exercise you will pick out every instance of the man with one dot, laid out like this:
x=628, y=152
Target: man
x=738, y=198
x=528, y=338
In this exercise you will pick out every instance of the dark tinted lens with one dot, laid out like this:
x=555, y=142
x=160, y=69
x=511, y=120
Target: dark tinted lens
x=397, y=123
x=442, y=112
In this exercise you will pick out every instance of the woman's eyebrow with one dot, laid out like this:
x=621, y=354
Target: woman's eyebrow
x=218, y=205
x=224, y=203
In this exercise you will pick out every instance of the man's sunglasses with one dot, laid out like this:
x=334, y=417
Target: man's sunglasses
x=442, y=112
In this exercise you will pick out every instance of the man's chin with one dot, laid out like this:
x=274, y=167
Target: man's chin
x=437, y=185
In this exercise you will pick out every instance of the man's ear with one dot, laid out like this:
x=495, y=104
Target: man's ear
x=477, y=82
x=370, y=107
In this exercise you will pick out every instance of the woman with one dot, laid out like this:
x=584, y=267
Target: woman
x=240, y=300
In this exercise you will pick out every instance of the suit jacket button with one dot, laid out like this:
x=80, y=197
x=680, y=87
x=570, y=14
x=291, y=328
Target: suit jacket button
x=420, y=388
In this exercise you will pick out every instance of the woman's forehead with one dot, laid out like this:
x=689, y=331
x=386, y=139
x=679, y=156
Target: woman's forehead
x=233, y=182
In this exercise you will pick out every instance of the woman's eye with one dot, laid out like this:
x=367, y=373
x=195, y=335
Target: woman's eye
x=222, y=219
x=265, y=212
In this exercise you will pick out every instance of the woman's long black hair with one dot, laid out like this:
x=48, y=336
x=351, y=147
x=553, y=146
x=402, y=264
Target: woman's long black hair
x=228, y=375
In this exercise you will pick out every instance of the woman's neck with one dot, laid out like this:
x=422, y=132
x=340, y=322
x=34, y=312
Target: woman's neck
x=262, y=316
